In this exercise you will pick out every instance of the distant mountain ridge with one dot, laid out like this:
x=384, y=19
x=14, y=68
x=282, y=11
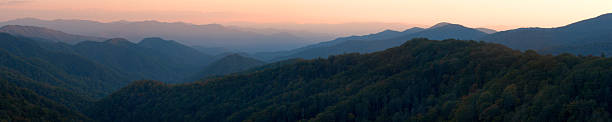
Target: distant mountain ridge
x=210, y=35
x=376, y=42
x=386, y=34
x=45, y=34
x=60, y=80
x=577, y=38
x=594, y=30
x=440, y=25
x=399, y=76
x=152, y=58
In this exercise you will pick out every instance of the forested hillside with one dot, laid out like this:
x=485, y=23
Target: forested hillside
x=152, y=58
x=305, y=61
x=64, y=70
x=597, y=49
x=22, y=104
x=50, y=81
x=421, y=80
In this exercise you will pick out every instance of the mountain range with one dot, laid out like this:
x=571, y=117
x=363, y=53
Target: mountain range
x=333, y=29
x=46, y=34
x=582, y=33
x=418, y=74
x=210, y=35
x=67, y=78
x=554, y=40
x=152, y=58
x=545, y=40
x=587, y=37
x=375, y=42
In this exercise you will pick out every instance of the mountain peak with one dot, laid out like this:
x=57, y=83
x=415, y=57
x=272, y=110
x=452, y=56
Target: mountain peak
x=446, y=26
x=387, y=31
x=441, y=24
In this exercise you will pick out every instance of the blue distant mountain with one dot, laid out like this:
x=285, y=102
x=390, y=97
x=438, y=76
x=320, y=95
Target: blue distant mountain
x=587, y=37
x=387, y=34
x=45, y=34
x=586, y=32
x=152, y=58
x=376, y=42
x=208, y=35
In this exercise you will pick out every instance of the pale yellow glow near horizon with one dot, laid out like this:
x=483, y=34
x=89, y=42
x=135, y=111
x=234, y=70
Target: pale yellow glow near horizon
x=495, y=14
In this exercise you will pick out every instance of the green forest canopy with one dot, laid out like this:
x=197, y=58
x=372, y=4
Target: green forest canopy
x=421, y=80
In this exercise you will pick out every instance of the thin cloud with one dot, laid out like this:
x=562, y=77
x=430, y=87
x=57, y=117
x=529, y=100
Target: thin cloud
x=14, y=2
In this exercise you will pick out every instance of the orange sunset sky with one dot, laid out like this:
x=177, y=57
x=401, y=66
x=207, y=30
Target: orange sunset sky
x=496, y=14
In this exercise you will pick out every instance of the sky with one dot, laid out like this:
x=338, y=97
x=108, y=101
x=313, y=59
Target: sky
x=495, y=14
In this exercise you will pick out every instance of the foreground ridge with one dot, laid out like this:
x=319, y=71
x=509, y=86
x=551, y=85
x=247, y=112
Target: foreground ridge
x=421, y=80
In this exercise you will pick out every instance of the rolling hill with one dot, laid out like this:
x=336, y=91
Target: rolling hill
x=421, y=80
x=21, y=104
